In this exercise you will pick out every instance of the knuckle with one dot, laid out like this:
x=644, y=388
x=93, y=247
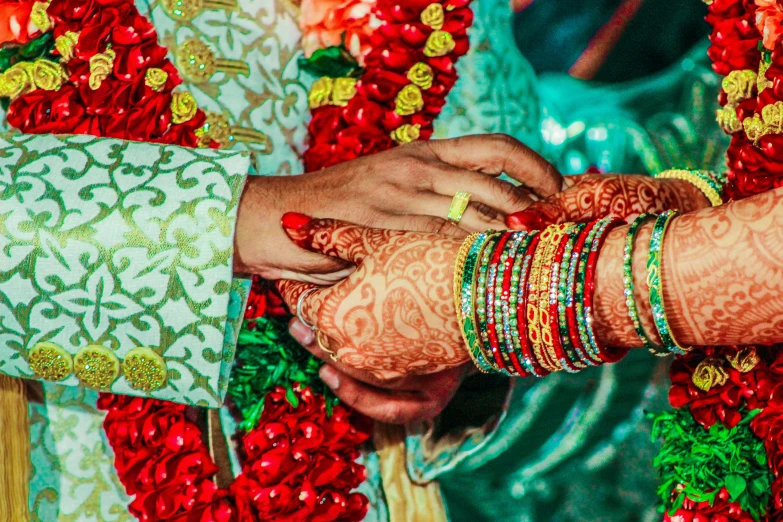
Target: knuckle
x=436, y=225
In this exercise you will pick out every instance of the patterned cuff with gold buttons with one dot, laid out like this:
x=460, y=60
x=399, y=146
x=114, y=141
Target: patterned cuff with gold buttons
x=144, y=370
x=50, y=362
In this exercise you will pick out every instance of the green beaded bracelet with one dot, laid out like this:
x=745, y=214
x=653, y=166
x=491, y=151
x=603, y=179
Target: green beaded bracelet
x=630, y=301
x=655, y=282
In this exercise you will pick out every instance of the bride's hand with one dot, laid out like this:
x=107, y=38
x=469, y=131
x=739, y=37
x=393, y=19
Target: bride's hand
x=594, y=196
x=394, y=316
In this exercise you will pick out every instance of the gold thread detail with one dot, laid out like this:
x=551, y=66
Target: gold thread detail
x=709, y=374
x=728, y=120
x=739, y=85
x=320, y=92
x=343, y=90
x=187, y=10
x=39, y=17
x=762, y=82
x=24, y=77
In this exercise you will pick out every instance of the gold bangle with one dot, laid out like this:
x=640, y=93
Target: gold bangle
x=459, y=268
x=533, y=314
x=712, y=195
x=558, y=232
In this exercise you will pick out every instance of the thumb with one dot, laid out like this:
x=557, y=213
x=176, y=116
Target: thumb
x=327, y=236
x=538, y=215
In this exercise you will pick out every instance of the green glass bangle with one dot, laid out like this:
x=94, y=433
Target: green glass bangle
x=630, y=300
x=655, y=282
x=482, y=279
x=518, y=275
x=591, y=350
x=468, y=304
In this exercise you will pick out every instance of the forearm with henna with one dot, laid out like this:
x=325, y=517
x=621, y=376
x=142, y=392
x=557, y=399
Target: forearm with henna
x=722, y=273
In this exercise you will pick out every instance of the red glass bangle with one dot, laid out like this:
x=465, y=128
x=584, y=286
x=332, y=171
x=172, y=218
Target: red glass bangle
x=573, y=329
x=554, y=316
x=511, y=354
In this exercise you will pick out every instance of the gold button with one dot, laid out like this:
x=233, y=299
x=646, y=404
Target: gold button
x=50, y=362
x=144, y=370
x=96, y=367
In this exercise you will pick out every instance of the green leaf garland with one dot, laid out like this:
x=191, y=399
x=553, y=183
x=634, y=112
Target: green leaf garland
x=268, y=357
x=335, y=62
x=698, y=462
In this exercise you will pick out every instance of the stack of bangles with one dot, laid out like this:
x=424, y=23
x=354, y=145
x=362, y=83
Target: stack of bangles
x=525, y=299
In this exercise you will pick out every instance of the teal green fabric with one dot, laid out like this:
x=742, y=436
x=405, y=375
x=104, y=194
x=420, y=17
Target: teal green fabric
x=568, y=447
x=122, y=245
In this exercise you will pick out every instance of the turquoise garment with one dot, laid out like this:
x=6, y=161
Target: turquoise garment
x=568, y=447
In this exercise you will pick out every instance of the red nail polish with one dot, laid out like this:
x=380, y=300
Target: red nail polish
x=294, y=220
x=524, y=220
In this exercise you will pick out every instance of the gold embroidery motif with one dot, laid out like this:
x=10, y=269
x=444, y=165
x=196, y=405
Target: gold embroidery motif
x=433, y=16
x=772, y=115
x=66, y=44
x=406, y=133
x=155, y=78
x=218, y=129
x=409, y=101
x=754, y=128
x=39, y=17
x=183, y=107
x=728, y=120
x=187, y=10
x=421, y=75
x=101, y=65
x=439, y=43
x=197, y=62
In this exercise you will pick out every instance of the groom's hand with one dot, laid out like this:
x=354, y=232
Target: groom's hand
x=407, y=188
x=407, y=399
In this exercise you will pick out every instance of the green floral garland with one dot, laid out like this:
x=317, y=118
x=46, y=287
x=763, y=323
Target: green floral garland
x=697, y=463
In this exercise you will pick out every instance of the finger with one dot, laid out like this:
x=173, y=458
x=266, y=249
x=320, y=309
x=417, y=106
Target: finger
x=307, y=338
x=314, y=278
x=478, y=217
x=292, y=291
x=553, y=210
x=428, y=224
x=328, y=236
x=487, y=189
x=498, y=153
x=393, y=407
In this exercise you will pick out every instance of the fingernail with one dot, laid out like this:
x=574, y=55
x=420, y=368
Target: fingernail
x=329, y=376
x=301, y=332
x=525, y=220
x=295, y=220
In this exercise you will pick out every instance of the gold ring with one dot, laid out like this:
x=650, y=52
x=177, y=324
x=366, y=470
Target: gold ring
x=332, y=355
x=459, y=204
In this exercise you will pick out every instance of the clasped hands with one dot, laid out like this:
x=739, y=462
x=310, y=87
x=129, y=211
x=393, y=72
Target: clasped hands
x=381, y=299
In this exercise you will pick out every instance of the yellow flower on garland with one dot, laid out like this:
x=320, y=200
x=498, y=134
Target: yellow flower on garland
x=754, y=128
x=101, y=65
x=409, y=101
x=183, y=107
x=439, y=43
x=772, y=115
x=728, y=120
x=709, y=374
x=66, y=45
x=739, y=85
x=406, y=133
x=24, y=77
x=433, y=16
x=744, y=360
x=762, y=82
x=39, y=17
x=421, y=75
x=320, y=92
x=155, y=78
x=343, y=90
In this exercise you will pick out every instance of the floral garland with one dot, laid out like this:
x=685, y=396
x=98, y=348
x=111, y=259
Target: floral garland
x=722, y=452
x=96, y=68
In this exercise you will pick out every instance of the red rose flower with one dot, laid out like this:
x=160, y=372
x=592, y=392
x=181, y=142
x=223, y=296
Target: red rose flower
x=47, y=112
